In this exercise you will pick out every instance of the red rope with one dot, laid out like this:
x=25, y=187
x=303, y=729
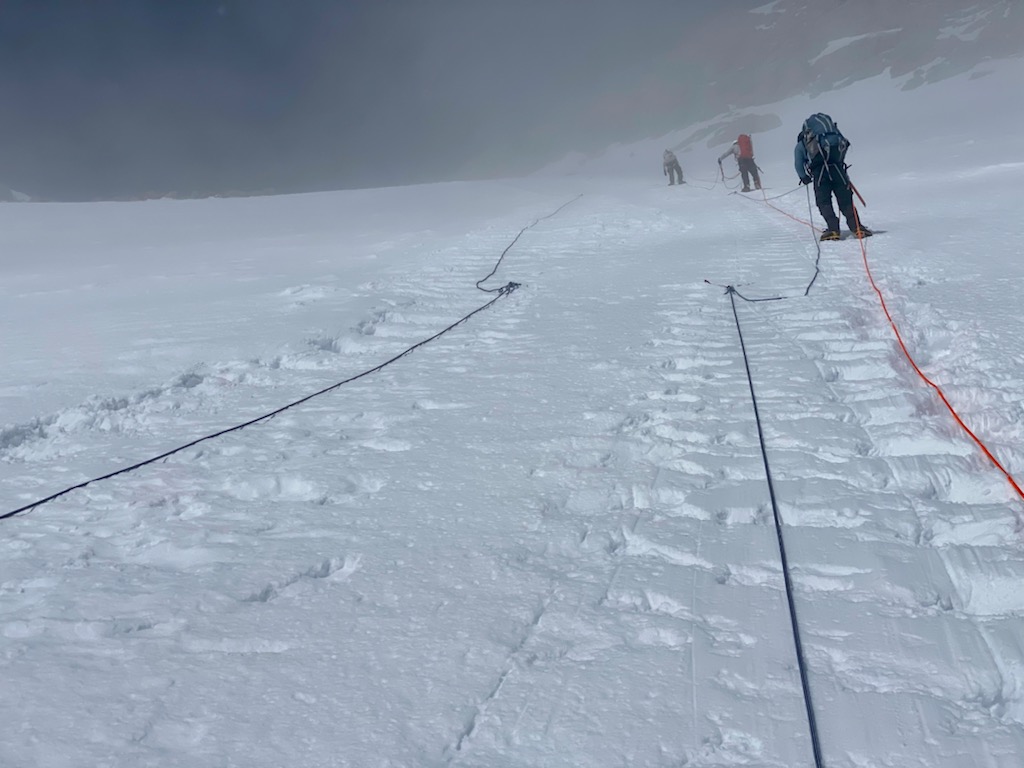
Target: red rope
x=899, y=338
x=785, y=213
x=929, y=382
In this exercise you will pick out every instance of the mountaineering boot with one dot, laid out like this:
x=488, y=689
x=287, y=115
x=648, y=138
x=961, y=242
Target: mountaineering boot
x=830, y=234
x=757, y=184
x=745, y=189
x=861, y=232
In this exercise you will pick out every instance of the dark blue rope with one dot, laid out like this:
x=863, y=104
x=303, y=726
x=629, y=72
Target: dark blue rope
x=817, y=244
x=479, y=283
x=817, y=259
x=801, y=662
x=501, y=292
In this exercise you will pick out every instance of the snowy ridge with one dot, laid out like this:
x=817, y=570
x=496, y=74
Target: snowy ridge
x=728, y=76
x=775, y=51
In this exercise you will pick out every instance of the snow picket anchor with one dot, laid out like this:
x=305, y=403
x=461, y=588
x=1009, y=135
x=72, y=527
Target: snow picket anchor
x=509, y=288
x=731, y=290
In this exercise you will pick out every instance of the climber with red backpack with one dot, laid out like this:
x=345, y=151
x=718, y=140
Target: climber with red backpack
x=820, y=157
x=743, y=150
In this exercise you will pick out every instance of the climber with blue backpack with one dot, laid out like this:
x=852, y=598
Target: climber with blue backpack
x=820, y=157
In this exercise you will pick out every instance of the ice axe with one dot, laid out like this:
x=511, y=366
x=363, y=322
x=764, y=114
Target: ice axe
x=855, y=191
x=858, y=195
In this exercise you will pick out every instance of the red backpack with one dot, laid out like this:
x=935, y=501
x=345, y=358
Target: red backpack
x=746, y=146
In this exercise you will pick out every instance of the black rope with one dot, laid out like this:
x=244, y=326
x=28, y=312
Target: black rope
x=501, y=292
x=516, y=239
x=817, y=243
x=812, y=721
x=817, y=259
x=732, y=289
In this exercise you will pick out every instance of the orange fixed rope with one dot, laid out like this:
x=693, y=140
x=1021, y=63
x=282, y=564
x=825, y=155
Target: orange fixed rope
x=786, y=213
x=913, y=364
x=929, y=382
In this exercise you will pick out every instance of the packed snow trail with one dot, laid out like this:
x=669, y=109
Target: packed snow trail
x=544, y=540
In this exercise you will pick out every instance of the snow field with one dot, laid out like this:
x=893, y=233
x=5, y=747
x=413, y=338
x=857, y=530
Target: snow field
x=546, y=538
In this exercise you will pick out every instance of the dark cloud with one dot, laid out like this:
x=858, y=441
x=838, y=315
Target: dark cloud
x=120, y=98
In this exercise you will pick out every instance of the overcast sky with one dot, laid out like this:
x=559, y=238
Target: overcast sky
x=123, y=97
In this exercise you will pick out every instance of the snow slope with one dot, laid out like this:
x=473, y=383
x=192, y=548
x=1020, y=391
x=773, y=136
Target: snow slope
x=750, y=52
x=545, y=538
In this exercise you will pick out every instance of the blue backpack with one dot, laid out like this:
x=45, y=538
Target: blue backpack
x=823, y=139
